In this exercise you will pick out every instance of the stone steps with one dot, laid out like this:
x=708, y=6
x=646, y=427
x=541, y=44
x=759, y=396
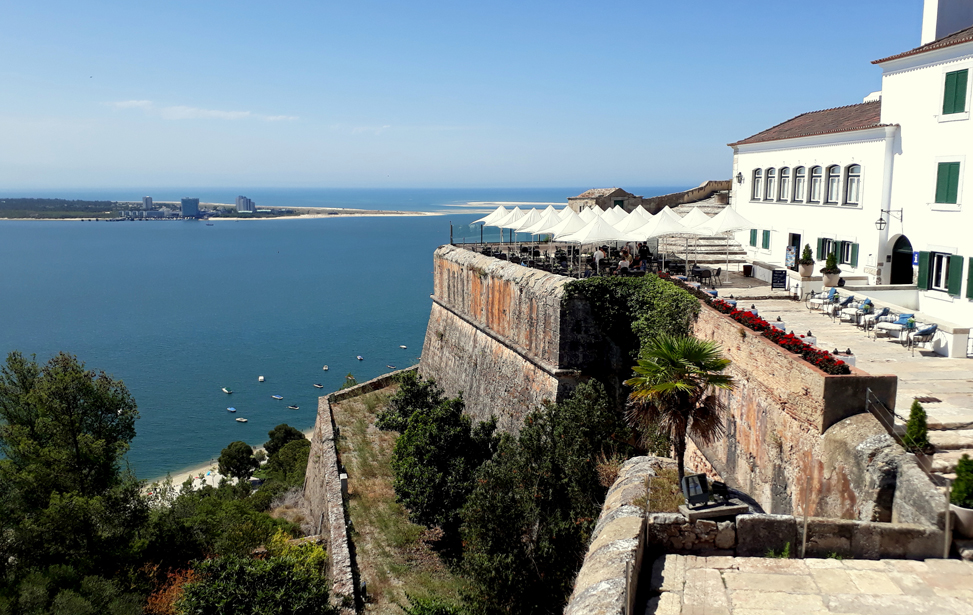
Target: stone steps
x=960, y=439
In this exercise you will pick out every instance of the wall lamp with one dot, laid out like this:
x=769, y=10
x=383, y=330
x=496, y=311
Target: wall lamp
x=881, y=223
x=739, y=178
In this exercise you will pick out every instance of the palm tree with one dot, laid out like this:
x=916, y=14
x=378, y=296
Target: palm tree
x=673, y=390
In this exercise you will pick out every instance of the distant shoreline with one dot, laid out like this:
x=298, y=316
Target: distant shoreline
x=305, y=213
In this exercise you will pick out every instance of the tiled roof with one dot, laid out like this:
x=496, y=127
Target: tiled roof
x=963, y=36
x=596, y=192
x=839, y=119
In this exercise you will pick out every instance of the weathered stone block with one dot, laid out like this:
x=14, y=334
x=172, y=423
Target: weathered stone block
x=726, y=537
x=756, y=534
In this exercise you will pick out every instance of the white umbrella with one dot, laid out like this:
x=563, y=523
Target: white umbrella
x=565, y=212
x=489, y=219
x=588, y=214
x=548, y=209
x=620, y=210
x=547, y=219
x=694, y=220
x=727, y=221
x=632, y=221
x=612, y=217
x=570, y=224
x=528, y=219
x=645, y=213
x=596, y=231
x=515, y=214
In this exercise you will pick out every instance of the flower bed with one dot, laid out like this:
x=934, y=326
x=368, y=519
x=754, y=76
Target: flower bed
x=821, y=359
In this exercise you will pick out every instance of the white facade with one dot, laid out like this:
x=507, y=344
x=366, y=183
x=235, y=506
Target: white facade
x=915, y=174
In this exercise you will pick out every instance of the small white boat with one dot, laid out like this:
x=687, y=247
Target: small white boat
x=402, y=346
x=241, y=420
x=277, y=396
x=227, y=391
x=360, y=359
x=325, y=368
x=390, y=366
x=318, y=386
x=260, y=378
x=294, y=407
x=231, y=409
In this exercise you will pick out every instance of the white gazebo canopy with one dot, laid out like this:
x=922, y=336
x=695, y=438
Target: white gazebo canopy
x=612, y=216
x=570, y=224
x=548, y=219
x=530, y=218
x=596, y=231
x=565, y=212
x=492, y=217
x=632, y=221
x=515, y=214
x=728, y=220
x=695, y=218
x=588, y=214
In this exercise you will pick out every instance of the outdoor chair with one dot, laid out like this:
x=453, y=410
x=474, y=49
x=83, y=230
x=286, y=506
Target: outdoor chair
x=922, y=336
x=868, y=320
x=704, y=276
x=834, y=309
x=896, y=327
x=855, y=311
x=820, y=300
x=716, y=276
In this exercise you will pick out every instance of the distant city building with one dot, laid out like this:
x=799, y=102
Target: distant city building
x=245, y=205
x=146, y=202
x=190, y=208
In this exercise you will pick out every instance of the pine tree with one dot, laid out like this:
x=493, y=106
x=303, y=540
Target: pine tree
x=916, y=432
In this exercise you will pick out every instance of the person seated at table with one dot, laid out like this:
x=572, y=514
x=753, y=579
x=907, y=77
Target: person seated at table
x=636, y=262
x=624, y=262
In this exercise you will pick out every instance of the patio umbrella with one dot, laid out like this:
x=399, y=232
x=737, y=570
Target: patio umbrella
x=548, y=219
x=492, y=217
x=725, y=222
x=596, y=231
x=633, y=221
x=620, y=210
x=531, y=216
x=588, y=214
x=570, y=224
x=612, y=217
x=565, y=212
x=514, y=214
x=661, y=225
x=695, y=219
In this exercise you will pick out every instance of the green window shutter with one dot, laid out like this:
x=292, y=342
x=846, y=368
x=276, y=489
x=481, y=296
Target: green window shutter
x=954, y=95
x=854, y=255
x=753, y=237
x=969, y=279
x=955, y=282
x=947, y=182
x=923, y=282
x=821, y=254
x=766, y=240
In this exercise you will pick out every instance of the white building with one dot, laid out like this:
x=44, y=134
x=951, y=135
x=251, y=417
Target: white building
x=880, y=183
x=146, y=202
x=245, y=205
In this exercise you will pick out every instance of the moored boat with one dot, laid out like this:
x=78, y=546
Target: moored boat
x=360, y=359
x=402, y=346
x=390, y=366
x=260, y=378
x=294, y=407
x=241, y=420
x=325, y=368
x=277, y=396
x=318, y=386
x=231, y=409
x=227, y=391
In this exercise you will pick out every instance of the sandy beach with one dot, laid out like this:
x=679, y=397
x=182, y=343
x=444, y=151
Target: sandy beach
x=202, y=474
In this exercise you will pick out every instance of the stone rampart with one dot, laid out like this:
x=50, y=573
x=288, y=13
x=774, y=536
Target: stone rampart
x=503, y=335
x=657, y=203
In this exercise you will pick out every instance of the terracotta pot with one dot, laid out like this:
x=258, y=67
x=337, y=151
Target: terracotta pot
x=806, y=271
x=831, y=279
x=963, y=520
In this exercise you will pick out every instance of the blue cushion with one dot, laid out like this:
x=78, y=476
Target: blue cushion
x=832, y=293
x=867, y=302
x=904, y=318
x=927, y=331
x=711, y=293
x=883, y=312
x=732, y=302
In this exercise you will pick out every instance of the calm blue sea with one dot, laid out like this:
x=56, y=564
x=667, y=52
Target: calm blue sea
x=180, y=309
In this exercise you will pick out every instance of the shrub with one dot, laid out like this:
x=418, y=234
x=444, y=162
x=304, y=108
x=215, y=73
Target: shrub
x=281, y=435
x=414, y=394
x=237, y=460
x=916, y=432
x=962, y=493
x=806, y=257
x=831, y=264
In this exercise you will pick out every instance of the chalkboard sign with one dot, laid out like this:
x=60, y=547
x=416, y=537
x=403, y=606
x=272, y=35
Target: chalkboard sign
x=778, y=279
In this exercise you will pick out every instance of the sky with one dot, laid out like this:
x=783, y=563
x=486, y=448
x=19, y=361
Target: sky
x=419, y=94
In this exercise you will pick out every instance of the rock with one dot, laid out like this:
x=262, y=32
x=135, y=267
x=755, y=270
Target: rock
x=726, y=537
x=705, y=526
x=965, y=549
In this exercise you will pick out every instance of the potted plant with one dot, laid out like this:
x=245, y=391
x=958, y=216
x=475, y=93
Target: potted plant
x=806, y=264
x=961, y=497
x=831, y=270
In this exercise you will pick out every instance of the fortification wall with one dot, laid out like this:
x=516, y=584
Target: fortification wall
x=503, y=335
x=657, y=203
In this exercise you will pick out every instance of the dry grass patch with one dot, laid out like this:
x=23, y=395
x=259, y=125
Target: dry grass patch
x=394, y=556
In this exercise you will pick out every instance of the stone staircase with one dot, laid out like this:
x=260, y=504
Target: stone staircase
x=705, y=250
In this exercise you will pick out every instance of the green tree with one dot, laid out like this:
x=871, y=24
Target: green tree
x=290, y=463
x=64, y=499
x=281, y=435
x=673, y=391
x=962, y=491
x=434, y=461
x=916, y=431
x=527, y=523
x=242, y=586
x=414, y=393
x=237, y=460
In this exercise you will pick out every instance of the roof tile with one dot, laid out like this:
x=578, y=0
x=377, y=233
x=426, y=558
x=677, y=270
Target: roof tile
x=840, y=119
x=963, y=36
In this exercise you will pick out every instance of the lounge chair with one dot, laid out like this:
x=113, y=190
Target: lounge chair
x=822, y=299
x=922, y=336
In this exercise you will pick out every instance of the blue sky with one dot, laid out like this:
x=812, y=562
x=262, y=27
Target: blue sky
x=431, y=94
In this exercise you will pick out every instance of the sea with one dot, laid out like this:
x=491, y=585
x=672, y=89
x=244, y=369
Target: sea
x=180, y=310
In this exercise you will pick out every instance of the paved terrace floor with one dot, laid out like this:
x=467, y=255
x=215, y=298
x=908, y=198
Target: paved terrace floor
x=921, y=374
x=690, y=585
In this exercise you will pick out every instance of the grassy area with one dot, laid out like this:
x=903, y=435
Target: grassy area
x=394, y=555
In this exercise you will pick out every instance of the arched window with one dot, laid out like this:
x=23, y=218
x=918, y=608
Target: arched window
x=799, y=184
x=834, y=183
x=816, y=173
x=757, y=182
x=771, y=184
x=853, y=184
x=785, y=184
